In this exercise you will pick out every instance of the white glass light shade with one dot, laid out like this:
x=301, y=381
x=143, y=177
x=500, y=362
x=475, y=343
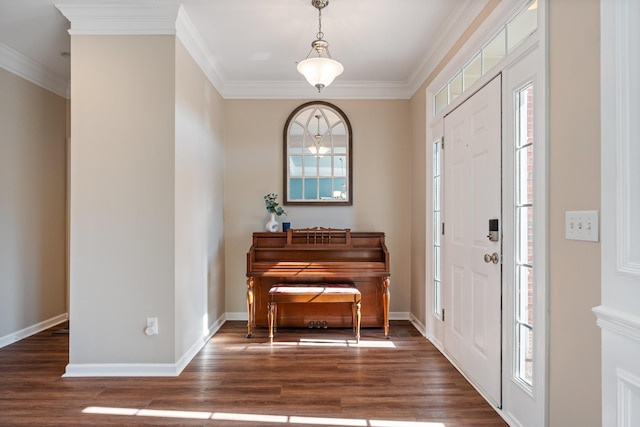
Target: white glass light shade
x=320, y=72
x=320, y=150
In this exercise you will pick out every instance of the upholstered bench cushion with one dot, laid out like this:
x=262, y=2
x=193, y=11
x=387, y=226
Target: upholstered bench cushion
x=314, y=293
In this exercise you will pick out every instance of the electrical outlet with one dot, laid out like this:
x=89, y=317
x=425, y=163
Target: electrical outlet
x=582, y=225
x=152, y=326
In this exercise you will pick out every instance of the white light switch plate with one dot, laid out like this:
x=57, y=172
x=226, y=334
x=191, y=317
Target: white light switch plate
x=582, y=225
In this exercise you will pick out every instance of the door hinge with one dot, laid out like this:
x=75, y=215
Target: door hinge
x=442, y=314
x=443, y=228
x=442, y=143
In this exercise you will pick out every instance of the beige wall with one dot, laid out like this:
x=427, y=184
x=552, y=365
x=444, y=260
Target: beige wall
x=382, y=184
x=122, y=198
x=32, y=204
x=199, y=180
x=419, y=211
x=574, y=184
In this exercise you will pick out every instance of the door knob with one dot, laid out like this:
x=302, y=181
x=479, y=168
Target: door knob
x=494, y=258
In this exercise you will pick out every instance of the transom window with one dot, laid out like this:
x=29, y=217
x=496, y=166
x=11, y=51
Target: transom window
x=510, y=36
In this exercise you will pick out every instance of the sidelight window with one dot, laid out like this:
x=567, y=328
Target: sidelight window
x=437, y=229
x=524, y=321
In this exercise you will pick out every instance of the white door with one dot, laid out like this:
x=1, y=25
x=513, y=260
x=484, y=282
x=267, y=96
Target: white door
x=472, y=197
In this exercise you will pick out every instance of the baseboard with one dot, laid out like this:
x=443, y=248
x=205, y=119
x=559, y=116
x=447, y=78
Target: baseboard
x=238, y=315
x=144, y=369
x=122, y=370
x=399, y=315
x=197, y=346
x=418, y=325
x=32, y=330
x=394, y=315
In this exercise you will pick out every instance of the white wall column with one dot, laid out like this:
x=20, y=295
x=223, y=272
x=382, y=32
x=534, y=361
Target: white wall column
x=122, y=191
x=147, y=234
x=619, y=314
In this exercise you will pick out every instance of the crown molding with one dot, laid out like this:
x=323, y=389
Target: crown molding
x=190, y=38
x=32, y=71
x=457, y=24
x=120, y=19
x=148, y=19
x=188, y=35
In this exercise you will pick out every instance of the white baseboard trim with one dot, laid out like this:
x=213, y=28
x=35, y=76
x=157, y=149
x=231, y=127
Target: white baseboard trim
x=399, y=315
x=238, y=315
x=121, y=370
x=32, y=330
x=393, y=315
x=418, y=324
x=144, y=369
x=197, y=346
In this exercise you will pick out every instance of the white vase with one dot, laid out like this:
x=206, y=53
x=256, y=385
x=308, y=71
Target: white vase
x=273, y=224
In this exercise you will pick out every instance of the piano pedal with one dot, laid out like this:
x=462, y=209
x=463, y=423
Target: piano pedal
x=318, y=324
x=324, y=324
x=311, y=324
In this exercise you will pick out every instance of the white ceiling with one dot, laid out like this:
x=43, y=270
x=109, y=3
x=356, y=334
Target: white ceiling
x=390, y=44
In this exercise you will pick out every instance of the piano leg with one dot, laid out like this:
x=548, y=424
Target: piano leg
x=358, y=318
x=386, y=295
x=250, y=307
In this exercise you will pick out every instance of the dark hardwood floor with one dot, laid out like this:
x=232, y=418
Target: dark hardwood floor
x=307, y=377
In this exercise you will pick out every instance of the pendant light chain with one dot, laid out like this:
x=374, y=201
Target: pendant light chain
x=320, y=34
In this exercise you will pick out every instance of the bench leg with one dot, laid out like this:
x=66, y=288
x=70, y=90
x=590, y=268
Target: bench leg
x=272, y=315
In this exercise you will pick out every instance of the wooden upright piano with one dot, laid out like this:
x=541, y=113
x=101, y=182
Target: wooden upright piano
x=313, y=256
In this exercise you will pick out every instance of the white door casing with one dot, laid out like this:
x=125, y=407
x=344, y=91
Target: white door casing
x=472, y=196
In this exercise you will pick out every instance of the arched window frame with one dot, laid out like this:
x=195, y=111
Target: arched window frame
x=311, y=175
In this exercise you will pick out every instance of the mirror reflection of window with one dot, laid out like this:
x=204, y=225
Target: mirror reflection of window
x=317, y=153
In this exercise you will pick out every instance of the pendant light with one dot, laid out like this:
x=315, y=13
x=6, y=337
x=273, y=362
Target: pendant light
x=320, y=71
x=318, y=149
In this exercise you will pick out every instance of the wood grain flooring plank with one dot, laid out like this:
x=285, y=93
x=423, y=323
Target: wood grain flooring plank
x=307, y=377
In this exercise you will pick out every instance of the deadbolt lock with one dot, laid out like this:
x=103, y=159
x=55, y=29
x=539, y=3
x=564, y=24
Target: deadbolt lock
x=494, y=230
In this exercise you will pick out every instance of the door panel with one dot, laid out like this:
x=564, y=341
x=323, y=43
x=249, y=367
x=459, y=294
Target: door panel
x=472, y=196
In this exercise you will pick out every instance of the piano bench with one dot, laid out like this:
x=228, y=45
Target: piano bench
x=313, y=293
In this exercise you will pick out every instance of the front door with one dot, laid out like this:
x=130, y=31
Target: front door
x=471, y=259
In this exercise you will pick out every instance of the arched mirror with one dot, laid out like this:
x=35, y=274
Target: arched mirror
x=317, y=156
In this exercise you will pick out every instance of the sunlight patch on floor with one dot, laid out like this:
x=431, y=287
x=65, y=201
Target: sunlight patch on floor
x=282, y=419
x=308, y=342
x=278, y=419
